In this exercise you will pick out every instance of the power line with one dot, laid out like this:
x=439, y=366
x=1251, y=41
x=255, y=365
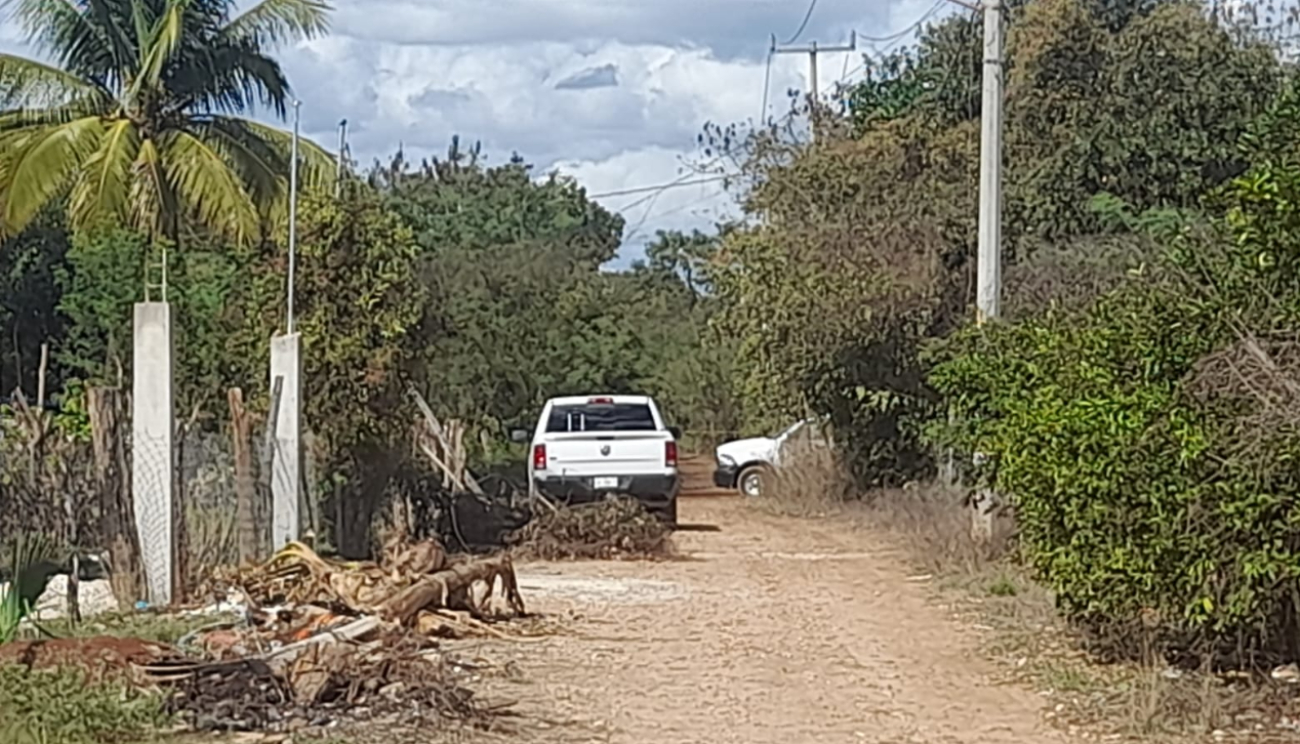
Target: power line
x=767, y=80
x=912, y=27
x=658, y=187
x=806, y=17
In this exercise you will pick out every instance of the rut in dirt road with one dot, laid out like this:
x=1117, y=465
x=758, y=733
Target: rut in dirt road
x=771, y=630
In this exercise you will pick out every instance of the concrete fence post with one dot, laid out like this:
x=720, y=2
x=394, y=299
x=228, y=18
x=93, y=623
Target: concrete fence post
x=153, y=451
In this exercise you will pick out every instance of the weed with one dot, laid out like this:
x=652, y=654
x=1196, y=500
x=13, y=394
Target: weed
x=1003, y=586
x=27, y=556
x=145, y=626
x=64, y=706
x=811, y=481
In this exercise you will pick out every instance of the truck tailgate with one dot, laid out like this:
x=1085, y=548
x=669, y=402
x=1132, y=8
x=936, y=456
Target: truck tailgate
x=606, y=453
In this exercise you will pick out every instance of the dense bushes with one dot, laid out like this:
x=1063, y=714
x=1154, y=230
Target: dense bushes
x=1150, y=438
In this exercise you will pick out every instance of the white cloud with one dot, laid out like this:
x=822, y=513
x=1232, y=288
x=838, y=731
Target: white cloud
x=415, y=72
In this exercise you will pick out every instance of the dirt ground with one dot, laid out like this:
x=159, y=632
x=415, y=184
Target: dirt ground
x=768, y=630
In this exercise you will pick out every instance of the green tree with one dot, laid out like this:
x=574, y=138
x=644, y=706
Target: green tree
x=135, y=122
x=29, y=298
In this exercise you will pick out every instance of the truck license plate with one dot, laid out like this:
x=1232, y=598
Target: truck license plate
x=605, y=483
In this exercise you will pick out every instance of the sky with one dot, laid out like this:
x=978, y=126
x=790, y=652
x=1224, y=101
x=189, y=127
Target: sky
x=611, y=92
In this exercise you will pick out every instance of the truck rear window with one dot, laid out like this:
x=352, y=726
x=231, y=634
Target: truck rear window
x=601, y=417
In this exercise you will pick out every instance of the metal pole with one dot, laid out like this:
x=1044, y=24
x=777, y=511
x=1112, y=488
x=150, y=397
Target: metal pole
x=989, y=267
x=338, y=167
x=293, y=212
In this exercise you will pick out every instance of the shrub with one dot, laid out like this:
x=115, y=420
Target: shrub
x=1149, y=440
x=62, y=705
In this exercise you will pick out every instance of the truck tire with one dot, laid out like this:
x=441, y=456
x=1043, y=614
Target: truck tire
x=753, y=481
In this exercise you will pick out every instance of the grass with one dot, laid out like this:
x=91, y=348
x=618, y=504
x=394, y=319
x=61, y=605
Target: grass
x=62, y=706
x=146, y=626
x=1035, y=646
x=811, y=482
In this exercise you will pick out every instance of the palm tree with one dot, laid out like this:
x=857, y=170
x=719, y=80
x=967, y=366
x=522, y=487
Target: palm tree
x=136, y=120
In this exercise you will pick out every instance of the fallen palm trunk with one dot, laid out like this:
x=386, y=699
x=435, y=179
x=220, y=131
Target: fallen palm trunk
x=452, y=588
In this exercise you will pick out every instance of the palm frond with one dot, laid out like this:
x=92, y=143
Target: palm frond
x=113, y=19
x=161, y=43
x=276, y=22
x=36, y=164
x=27, y=83
x=27, y=118
x=315, y=164
x=207, y=187
x=99, y=193
x=230, y=78
x=262, y=167
x=151, y=197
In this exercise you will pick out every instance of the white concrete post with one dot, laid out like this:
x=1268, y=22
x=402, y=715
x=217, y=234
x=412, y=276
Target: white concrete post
x=286, y=458
x=153, y=451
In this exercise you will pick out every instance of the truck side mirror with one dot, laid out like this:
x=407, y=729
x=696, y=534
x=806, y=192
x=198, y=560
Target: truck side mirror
x=519, y=436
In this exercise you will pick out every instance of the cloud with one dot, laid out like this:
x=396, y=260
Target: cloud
x=605, y=76
x=613, y=92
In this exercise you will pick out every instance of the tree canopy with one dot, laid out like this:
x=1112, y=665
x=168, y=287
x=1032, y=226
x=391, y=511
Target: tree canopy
x=136, y=120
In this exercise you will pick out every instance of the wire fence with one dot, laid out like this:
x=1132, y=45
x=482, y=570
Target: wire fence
x=164, y=511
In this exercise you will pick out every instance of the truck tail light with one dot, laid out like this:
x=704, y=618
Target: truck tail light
x=539, y=457
x=670, y=454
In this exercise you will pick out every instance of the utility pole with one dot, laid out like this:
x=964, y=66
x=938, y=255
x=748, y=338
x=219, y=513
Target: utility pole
x=338, y=167
x=293, y=216
x=989, y=266
x=811, y=50
x=988, y=270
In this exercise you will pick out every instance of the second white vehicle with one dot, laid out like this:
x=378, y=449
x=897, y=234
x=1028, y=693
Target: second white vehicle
x=745, y=464
x=584, y=448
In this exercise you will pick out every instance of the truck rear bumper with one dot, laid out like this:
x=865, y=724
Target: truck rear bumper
x=655, y=491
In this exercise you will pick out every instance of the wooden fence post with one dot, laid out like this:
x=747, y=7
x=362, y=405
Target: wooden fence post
x=106, y=408
x=241, y=434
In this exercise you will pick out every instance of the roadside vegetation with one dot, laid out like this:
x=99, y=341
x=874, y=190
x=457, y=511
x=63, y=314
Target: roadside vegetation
x=1139, y=402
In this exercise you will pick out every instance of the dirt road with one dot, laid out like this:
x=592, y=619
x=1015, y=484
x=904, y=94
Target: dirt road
x=772, y=630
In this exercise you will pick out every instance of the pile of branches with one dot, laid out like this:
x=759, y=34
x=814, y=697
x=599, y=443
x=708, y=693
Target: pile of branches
x=617, y=528
x=325, y=640
x=397, y=676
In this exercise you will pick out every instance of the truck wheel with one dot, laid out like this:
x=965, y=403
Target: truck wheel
x=752, y=481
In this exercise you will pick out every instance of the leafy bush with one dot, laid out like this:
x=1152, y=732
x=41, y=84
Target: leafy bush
x=1149, y=439
x=63, y=706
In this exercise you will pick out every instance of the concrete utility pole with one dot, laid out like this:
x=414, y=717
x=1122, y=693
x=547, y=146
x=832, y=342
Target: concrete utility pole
x=286, y=370
x=988, y=273
x=989, y=268
x=338, y=167
x=811, y=50
x=293, y=216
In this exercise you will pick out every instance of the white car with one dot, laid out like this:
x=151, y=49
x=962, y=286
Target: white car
x=743, y=463
x=585, y=448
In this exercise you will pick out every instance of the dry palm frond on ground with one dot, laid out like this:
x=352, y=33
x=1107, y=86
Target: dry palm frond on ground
x=618, y=528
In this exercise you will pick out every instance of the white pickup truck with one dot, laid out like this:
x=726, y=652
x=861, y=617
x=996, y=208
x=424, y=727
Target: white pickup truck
x=586, y=448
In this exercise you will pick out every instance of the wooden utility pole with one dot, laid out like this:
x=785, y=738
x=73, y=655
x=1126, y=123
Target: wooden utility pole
x=812, y=50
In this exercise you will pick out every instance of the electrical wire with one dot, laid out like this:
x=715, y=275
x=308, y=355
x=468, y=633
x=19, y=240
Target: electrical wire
x=657, y=187
x=806, y=17
x=652, y=193
x=912, y=27
x=767, y=81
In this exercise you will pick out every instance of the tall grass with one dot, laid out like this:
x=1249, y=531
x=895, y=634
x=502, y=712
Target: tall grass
x=24, y=553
